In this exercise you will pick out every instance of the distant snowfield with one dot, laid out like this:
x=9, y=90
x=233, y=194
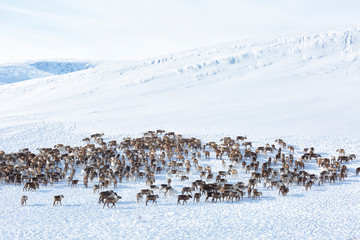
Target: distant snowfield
x=303, y=89
x=16, y=72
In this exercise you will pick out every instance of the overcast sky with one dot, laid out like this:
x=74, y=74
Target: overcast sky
x=114, y=29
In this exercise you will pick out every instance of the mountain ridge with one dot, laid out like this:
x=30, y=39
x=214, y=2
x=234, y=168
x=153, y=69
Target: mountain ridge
x=292, y=86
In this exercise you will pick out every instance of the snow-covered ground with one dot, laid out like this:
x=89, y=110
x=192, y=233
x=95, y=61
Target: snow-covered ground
x=303, y=89
x=325, y=212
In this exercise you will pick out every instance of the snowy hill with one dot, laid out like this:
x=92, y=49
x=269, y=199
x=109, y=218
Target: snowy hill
x=306, y=85
x=10, y=73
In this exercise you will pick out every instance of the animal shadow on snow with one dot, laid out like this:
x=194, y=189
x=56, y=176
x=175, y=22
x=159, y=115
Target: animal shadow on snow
x=319, y=190
x=71, y=205
x=352, y=179
x=118, y=207
x=60, y=186
x=36, y=205
x=262, y=198
x=119, y=187
x=344, y=182
x=268, y=198
x=297, y=195
x=44, y=191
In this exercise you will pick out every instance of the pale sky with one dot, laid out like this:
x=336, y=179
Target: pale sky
x=120, y=30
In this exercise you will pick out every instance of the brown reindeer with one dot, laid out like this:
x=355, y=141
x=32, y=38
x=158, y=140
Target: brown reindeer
x=96, y=188
x=241, y=138
x=249, y=190
x=139, y=197
x=23, y=200
x=291, y=149
x=197, y=197
x=234, y=173
x=172, y=191
x=112, y=200
x=216, y=196
x=256, y=194
x=74, y=183
x=308, y=185
x=106, y=194
x=57, y=199
x=186, y=189
x=183, y=178
x=151, y=198
x=234, y=195
x=183, y=198
x=283, y=190
x=29, y=186
x=247, y=144
x=341, y=152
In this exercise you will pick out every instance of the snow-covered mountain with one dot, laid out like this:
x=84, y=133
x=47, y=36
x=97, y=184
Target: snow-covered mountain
x=304, y=85
x=16, y=72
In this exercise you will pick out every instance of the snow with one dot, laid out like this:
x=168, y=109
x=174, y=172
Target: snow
x=303, y=89
x=325, y=212
x=287, y=86
x=16, y=72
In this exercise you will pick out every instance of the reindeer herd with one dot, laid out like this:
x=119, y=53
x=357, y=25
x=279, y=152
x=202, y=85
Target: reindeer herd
x=159, y=154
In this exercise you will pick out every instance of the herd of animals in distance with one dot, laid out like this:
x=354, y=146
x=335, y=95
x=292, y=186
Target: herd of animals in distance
x=158, y=153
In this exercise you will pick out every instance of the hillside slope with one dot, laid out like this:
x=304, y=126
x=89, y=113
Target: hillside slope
x=16, y=72
x=305, y=85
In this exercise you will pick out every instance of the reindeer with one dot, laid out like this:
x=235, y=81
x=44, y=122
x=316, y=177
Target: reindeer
x=234, y=195
x=106, y=194
x=246, y=144
x=57, y=199
x=256, y=194
x=112, y=200
x=31, y=186
x=96, y=188
x=183, y=178
x=139, y=197
x=241, y=138
x=23, y=200
x=216, y=196
x=253, y=182
x=308, y=185
x=183, y=198
x=284, y=190
x=74, y=183
x=151, y=198
x=291, y=149
x=172, y=191
x=234, y=173
x=341, y=152
x=186, y=189
x=249, y=190
x=197, y=197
